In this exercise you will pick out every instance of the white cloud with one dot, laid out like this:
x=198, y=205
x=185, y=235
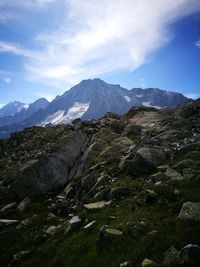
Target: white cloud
x=7, y=80
x=198, y=43
x=98, y=37
x=17, y=49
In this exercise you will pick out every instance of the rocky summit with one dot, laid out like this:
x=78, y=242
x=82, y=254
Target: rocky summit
x=120, y=190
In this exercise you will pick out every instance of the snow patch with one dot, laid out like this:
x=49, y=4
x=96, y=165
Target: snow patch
x=139, y=96
x=76, y=111
x=147, y=104
x=128, y=99
x=26, y=106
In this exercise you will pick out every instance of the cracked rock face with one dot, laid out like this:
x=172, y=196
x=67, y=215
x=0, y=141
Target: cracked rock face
x=53, y=170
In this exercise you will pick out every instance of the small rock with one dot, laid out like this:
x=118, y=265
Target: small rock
x=97, y=205
x=18, y=256
x=23, y=204
x=149, y=263
x=74, y=220
x=190, y=211
x=89, y=225
x=106, y=236
x=6, y=222
x=112, y=232
x=151, y=196
x=73, y=225
x=51, y=230
x=23, y=223
x=126, y=264
x=9, y=206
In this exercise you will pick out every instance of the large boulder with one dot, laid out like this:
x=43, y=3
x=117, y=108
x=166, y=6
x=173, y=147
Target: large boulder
x=145, y=161
x=188, y=256
x=53, y=170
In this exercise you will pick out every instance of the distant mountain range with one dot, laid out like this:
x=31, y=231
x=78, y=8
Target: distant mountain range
x=90, y=99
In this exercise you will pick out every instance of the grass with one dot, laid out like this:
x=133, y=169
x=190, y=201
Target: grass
x=80, y=248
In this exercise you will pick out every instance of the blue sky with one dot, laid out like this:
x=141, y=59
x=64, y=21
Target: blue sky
x=46, y=46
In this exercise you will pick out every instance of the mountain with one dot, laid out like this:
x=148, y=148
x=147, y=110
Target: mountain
x=116, y=191
x=90, y=99
x=23, y=114
x=12, y=108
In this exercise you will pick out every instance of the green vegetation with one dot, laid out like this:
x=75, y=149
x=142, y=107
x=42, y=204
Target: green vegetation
x=140, y=223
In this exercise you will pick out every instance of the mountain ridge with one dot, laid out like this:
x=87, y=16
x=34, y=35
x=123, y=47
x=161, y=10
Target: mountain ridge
x=90, y=99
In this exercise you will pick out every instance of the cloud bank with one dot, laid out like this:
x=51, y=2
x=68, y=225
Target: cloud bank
x=98, y=37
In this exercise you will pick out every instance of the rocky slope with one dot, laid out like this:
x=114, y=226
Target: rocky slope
x=90, y=99
x=116, y=191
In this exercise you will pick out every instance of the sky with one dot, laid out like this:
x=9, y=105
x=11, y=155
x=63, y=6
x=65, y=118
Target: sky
x=47, y=46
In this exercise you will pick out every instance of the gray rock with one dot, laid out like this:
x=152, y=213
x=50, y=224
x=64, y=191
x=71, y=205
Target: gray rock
x=119, y=192
x=173, y=175
x=51, y=230
x=107, y=236
x=89, y=225
x=9, y=206
x=126, y=264
x=23, y=204
x=23, y=223
x=155, y=156
x=6, y=222
x=75, y=220
x=149, y=263
x=96, y=205
x=190, y=211
x=144, y=161
x=159, y=176
x=190, y=255
x=46, y=173
x=73, y=225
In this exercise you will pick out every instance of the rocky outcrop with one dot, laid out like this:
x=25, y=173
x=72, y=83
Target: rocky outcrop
x=52, y=170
